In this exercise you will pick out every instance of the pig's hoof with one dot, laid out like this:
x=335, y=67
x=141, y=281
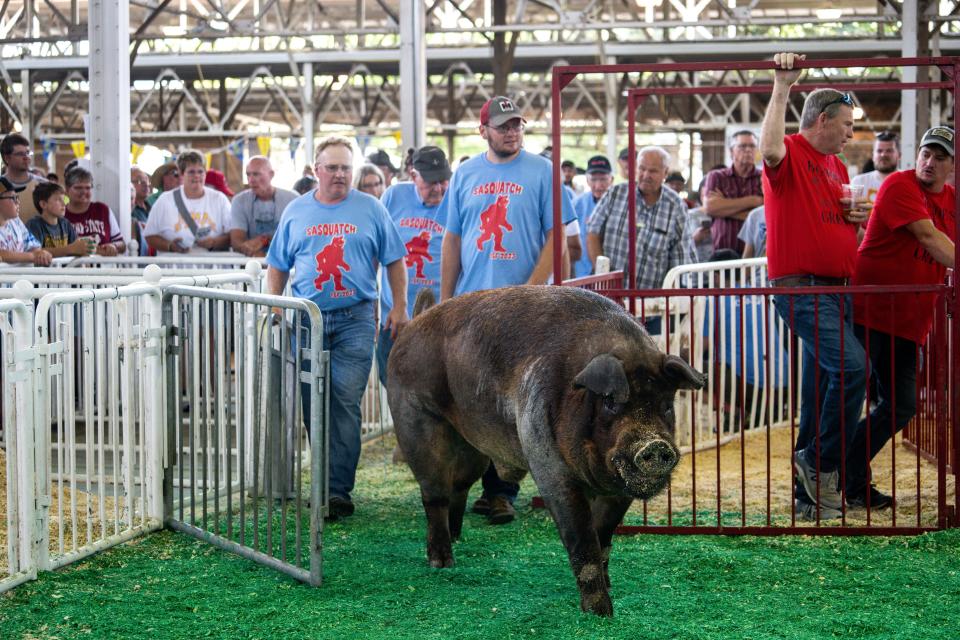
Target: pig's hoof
x=597, y=603
x=442, y=563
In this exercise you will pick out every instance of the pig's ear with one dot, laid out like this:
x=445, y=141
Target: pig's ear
x=682, y=374
x=604, y=376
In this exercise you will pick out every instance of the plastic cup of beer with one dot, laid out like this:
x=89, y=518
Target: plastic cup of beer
x=92, y=243
x=852, y=194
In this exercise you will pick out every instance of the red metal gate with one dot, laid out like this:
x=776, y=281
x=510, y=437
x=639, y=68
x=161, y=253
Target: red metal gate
x=739, y=479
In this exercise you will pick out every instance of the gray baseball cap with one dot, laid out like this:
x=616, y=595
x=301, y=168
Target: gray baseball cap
x=499, y=110
x=940, y=136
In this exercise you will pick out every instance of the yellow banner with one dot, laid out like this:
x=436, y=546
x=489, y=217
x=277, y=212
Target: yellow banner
x=135, y=151
x=209, y=158
x=263, y=144
x=79, y=148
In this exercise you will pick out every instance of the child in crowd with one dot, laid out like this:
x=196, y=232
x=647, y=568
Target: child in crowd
x=51, y=228
x=16, y=243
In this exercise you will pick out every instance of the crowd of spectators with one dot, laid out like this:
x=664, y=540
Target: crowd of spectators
x=489, y=223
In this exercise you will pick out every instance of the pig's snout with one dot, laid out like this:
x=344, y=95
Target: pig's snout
x=656, y=458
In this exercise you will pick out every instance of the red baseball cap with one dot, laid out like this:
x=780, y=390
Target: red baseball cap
x=218, y=181
x=499, y=110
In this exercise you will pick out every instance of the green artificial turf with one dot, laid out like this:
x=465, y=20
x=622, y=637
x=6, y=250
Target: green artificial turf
x=510, y=581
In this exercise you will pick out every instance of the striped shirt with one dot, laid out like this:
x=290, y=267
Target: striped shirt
x=662, y=241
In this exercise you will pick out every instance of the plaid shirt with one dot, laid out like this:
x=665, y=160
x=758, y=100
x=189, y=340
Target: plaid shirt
x=731, y=185
x=15, y=237
x=662, y=241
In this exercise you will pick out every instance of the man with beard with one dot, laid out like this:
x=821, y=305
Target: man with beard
x=886, y=159
x=499, y=217
x=909, y=240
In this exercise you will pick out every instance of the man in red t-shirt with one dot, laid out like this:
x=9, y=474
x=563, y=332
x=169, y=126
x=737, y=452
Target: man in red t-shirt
x=909, y=240
x=812, y=241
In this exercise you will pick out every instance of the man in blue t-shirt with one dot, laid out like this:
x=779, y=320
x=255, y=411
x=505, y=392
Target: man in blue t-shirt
x=415, y=208
x=599, y=179
x=499, y=215
x=332, y=238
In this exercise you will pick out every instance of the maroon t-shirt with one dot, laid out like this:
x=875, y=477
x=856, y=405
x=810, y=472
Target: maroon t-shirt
x=95, y=221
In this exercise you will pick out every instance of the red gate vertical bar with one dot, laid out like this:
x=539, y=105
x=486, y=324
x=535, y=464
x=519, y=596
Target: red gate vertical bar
x=560, y=80
x=951, y=305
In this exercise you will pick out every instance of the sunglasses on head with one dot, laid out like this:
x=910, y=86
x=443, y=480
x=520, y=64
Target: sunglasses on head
x=843, y=99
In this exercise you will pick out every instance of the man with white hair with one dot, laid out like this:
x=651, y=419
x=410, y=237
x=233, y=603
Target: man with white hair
x=255, y=212
x=661, y=220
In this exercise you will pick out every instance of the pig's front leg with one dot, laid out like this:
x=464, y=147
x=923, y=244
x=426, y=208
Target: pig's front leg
x=570, y=508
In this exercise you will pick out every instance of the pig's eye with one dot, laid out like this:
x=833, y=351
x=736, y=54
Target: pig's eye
x=668, y=410
x=612, y=407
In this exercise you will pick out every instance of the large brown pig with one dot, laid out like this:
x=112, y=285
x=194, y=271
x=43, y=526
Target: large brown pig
x=558, y=381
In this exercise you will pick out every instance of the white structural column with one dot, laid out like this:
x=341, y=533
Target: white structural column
x=613, y=113
x=413, y=74
x=308, y=111
x=109, y=32
x=908, y=104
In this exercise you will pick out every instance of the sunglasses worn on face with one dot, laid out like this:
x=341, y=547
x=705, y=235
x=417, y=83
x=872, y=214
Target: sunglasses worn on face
x=843, y=99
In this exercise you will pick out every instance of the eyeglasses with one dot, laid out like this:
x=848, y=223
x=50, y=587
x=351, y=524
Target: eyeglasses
x=13, y=197
x=370, y=185
x=337, y=168
x=746, y=146
x=172, y=173
x=195, y=172
x=22, y=154
x=843, y=99
x=506, y=128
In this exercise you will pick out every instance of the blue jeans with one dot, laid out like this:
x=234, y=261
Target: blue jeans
x=348, y=336
x=894, y=369
x=824, y=356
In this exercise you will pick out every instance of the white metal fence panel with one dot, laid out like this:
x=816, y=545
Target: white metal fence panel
x=738, y=341
x=99, y=354
x=243, y=474
x=17, y=557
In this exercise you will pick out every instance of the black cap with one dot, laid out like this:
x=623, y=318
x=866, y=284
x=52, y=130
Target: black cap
x=940, y=136
x=567, y=163
x=676, y=176
x=599, y=164
x=624, y=153
x=431, y=163
x=381, y=159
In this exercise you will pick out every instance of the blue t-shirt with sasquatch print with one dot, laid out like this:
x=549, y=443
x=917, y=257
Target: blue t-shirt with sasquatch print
x=502, y=213
x=421, y=230
x=334, y=248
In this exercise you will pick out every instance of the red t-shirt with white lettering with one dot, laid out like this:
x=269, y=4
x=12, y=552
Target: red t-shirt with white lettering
x=891, y=254
x=806, y=231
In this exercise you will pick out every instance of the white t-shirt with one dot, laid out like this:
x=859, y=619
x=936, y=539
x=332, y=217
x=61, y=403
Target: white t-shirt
x=212, y=211
x=872, y=180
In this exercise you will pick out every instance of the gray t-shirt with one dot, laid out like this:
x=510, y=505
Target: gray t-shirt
x=754, y=231
x=259, y=217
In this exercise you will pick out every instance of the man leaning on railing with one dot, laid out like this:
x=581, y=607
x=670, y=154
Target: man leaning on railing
x=812, y=241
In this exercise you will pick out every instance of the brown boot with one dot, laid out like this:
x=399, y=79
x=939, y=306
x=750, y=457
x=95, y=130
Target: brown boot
x=501, y=511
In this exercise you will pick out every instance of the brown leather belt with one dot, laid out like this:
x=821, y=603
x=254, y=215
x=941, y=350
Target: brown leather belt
x=809, y=281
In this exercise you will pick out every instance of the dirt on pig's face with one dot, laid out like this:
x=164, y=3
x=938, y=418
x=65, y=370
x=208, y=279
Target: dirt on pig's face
x=621, y=433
